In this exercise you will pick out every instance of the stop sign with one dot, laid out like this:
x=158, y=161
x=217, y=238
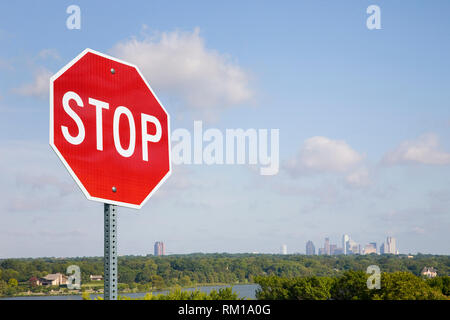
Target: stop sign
x=109, y=129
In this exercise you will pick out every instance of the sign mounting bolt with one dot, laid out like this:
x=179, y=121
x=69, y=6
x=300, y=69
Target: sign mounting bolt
x=114, y=189
x=113, y=71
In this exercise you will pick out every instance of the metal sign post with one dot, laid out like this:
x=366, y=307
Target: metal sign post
x=110, y=257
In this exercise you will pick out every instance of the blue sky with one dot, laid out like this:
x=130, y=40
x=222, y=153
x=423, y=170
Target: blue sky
x=364, y=121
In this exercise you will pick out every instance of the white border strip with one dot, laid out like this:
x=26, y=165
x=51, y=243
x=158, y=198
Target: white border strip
x=51, y=136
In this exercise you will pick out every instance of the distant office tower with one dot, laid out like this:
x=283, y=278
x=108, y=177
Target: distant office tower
x=333, y=249
x=353, y=247
x=370, y=248
x=382, y=248
x=345, y=240
x=284, y=249
x=321, y=251
x=310, y=248
x=326, y=247
x=159, y=248
x=391, y=245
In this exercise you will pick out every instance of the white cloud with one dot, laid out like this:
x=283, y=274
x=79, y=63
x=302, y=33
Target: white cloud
x=49, y=53
x=179, y=64
x=321, y=154
x=39, y=87
x=425, y=150
x=359, y=178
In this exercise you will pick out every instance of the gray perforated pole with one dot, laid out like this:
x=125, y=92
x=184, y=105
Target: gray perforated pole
x=110, y=291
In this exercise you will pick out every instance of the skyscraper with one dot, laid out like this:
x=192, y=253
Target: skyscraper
x=284, y=249
x=327, y=246
x=370, y=248
x=391, y=245
x=353, y=247
x=159, y=248
x=333, y=249
x=345, y=240
x=310, y=248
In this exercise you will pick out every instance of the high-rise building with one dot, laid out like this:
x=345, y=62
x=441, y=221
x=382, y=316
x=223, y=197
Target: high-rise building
x=345, y=240
x=333, y=249
x=327, y=246
x=159, y=248
x=353, y=247
x=284, y=249
x=391, y=245
x=310, y=248
x=382, y=248
x=370, y=248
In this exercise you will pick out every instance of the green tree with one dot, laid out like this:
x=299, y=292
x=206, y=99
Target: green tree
x=185, y=281
x=406, y=286
x=158, y=282
x=127, y=276
x=300, y=288
x=85, y=296
x=352, y=285
x=13, y=282
x=3, y=287
x=440, y=283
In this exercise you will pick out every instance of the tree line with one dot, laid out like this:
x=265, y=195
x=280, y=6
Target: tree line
x=352, y=285
x=145, y=273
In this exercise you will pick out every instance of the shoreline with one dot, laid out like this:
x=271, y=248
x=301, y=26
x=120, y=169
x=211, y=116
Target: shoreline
x=79, y=292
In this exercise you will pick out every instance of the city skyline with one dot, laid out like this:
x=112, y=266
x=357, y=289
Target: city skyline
x=388, y=245
x=350, y=247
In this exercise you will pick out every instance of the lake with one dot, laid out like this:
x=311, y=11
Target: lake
x=246, y=291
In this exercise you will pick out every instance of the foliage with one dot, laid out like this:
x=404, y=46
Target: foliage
x=85, y=296
x=441, y=283
x=13, y=282
x=352, y=285
x=406, y=286
x=146, y=273
x=306, y=288
x=178, y=294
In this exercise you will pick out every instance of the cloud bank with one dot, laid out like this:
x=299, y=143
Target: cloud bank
x=179, y=63
x=423, y=150
x=39, y=87
x=324, y=155
x=321, y=154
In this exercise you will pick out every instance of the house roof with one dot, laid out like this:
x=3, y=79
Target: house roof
x=429, y=269
x=52, y=276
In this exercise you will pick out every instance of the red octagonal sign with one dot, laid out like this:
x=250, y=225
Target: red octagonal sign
x=109, y=129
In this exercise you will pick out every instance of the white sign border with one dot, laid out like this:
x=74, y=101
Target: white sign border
x=55, y=149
